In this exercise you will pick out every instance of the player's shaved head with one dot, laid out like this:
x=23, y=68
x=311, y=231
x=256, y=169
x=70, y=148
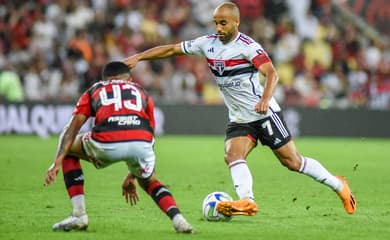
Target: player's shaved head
x=228, y=10
x=116, y=68
x=227, y=19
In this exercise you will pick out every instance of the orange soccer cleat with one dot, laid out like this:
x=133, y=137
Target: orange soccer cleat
x=347, y=196
x=240, y=207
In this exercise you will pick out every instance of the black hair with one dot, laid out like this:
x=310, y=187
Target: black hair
x=115, y=68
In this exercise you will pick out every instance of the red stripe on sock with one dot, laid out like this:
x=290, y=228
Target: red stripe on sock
x=75, y=190
x=70, y=163
x=166, y=202
x=152, y=186
x=237, y=162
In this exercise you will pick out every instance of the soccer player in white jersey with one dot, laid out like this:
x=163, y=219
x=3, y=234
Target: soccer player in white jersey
x=236, y=61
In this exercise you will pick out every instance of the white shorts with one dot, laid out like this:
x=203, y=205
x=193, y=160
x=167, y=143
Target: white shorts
x=138, y=155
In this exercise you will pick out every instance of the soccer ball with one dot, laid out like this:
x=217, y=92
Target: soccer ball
x=210, y=202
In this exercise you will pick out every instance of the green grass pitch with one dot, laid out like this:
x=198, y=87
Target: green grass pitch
x=292, y=206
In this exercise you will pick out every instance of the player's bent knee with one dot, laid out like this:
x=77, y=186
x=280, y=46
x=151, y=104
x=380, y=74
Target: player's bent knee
x=229, y=158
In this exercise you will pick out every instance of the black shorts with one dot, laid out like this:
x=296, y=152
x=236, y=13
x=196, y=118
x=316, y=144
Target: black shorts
x=271, y=131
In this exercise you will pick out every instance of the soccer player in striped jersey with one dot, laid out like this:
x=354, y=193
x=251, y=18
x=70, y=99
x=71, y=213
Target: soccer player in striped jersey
x=123, y=132
x=236, y=61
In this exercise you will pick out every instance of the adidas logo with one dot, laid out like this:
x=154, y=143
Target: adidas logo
x=161, y=190
x=277, y=141
x=211, y=50
x=79, y=178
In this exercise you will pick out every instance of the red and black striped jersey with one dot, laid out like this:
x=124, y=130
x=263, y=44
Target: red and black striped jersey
x=123, y=111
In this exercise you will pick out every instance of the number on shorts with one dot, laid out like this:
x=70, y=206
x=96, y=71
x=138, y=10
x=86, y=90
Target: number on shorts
x=116, y=98
x=267, y=125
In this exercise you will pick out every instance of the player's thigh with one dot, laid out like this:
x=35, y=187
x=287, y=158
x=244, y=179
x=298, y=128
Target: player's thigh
x=240, y=139
x=238, y=148
x=99, y=154
x=77, y=147
x=140, y=159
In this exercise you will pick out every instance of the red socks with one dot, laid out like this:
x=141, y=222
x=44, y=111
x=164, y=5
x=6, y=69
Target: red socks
x=73, y=176
x=163, y=198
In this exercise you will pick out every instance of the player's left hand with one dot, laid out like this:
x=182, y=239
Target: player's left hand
x=129, y=189
x=51, y=174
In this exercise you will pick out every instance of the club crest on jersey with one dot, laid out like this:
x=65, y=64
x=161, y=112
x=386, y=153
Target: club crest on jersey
x=219, y=66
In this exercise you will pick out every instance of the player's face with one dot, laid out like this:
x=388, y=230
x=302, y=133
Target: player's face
x=226, y=26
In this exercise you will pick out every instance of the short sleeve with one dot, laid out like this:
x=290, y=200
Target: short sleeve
x=83, y=105
x=257, y=55
x=194, y=47
x=150, y=112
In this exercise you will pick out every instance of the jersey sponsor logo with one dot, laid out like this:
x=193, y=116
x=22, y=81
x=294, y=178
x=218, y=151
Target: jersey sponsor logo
x=219, y=66
x=125, y=120
x=234, y=83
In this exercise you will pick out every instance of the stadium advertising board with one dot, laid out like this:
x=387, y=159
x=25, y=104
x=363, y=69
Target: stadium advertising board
x=47, y=119
x=40, y=119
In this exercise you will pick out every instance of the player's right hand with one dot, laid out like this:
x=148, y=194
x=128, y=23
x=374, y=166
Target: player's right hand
x=51, y=174
x=129, y=190
x=262, y=106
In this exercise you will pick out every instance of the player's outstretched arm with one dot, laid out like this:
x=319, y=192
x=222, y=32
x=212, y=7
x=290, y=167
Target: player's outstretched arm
x=159, y=52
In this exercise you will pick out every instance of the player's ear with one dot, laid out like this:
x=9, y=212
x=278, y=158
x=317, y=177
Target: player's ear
x=129, y=78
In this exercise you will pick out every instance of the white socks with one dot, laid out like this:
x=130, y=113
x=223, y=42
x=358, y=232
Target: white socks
x=315, y=170
x=243, y=182
x=78, y=203
x=242, y=179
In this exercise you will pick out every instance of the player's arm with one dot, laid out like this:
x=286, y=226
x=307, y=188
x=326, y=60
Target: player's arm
x=159, y=52
x=271, y=80
x=66, y=140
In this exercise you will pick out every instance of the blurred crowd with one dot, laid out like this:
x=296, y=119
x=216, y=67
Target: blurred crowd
x=52, y=50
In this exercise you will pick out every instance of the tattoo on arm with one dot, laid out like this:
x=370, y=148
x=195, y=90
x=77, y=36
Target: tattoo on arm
x=68, y=135
x=66, y=141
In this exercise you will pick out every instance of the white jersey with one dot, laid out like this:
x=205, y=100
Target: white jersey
x=235, y=69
